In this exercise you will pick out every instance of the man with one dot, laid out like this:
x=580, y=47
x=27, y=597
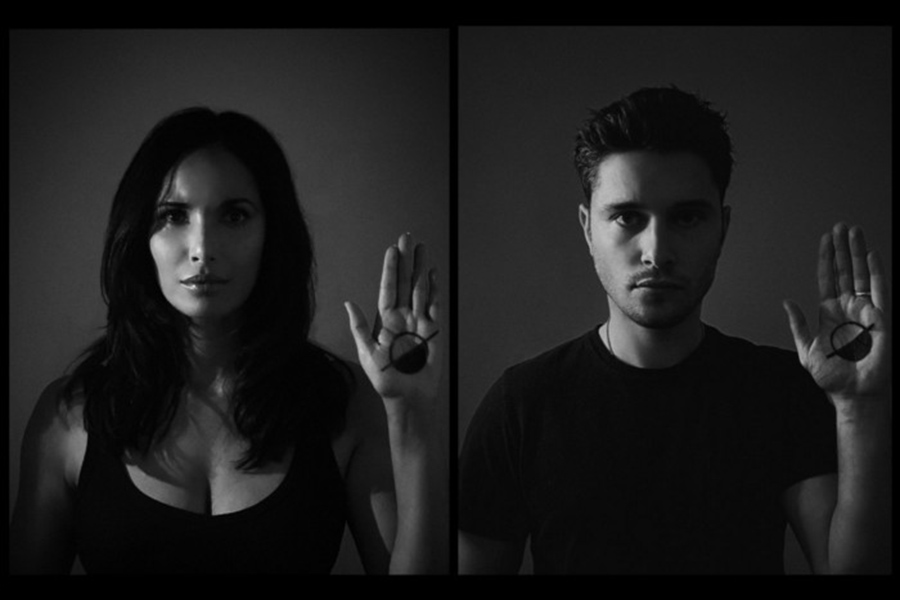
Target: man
x=657, y=444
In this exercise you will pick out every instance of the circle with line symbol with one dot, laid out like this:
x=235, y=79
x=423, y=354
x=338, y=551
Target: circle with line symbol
x=851, y=341
x=409, y=352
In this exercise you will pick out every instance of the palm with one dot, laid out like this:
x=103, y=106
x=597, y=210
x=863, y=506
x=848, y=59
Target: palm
x=407, y=317
x=852, y=289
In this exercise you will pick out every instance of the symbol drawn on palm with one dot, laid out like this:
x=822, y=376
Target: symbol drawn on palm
x=851, y=341
x=407, y=352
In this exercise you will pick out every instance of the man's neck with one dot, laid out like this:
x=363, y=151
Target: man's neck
x=648, y=348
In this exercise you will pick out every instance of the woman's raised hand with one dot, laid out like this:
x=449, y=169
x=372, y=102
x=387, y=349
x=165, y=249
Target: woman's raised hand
x=402, y=355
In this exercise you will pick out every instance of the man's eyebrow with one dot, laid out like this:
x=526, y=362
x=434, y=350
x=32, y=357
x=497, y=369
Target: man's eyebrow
x=694, y=203
x=620, y=205
x=625, y=205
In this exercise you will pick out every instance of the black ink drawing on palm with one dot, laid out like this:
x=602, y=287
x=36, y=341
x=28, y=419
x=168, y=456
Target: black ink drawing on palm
x=851, y=341
x=408, y=351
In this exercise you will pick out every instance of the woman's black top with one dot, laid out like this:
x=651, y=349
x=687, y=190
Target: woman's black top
x=296, y=529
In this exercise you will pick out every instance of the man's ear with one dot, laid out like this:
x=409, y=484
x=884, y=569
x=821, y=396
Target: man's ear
x=584, y=217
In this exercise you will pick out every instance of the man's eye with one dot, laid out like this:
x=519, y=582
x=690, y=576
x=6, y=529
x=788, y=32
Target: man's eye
x=690, y=218
x=629, y=219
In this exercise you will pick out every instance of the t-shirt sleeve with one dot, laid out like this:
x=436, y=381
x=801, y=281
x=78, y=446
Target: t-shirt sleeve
x=490, y=497
x=811, y=430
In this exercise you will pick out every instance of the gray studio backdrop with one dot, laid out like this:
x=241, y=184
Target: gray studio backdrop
x=363, y=116
x=810, y=113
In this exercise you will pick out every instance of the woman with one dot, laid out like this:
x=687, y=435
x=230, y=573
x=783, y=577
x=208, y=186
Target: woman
x=204, y=432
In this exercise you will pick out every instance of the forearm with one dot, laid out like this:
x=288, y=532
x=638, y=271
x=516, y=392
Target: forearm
x=859, y=537
x=418, y=443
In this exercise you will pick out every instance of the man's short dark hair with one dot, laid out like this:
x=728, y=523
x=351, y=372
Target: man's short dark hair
x=662, y=119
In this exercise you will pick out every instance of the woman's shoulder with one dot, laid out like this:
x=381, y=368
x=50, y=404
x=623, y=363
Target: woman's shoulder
x=57, y=408
x=365, y=427
x=353, y=380
x=55, y=435
x=363, y=401
x=364, y=414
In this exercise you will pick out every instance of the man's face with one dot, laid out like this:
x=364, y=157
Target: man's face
x=655, y=228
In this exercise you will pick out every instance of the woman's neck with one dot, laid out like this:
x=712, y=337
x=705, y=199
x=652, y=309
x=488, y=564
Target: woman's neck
x=211, y=352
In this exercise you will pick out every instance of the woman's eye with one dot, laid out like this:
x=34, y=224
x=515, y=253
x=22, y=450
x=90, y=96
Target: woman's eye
x=237, y=217
x=171, y=215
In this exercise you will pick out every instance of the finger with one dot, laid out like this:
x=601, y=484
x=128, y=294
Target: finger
x=799, y=328
x=404, y=271
x=434, y=312
x=360, y=330
x=827, y=288
x=858, y=257
x=421, y=282
x=842, y=259
x=376, y=328
x=387, y=294
x=881, y=293
x=434, y=298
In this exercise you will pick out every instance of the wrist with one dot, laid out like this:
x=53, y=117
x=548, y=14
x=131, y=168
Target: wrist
x=858, y=406
x=413, y=419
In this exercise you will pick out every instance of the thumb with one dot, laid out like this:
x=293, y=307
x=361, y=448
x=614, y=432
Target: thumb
x=360, y=330
x=799, y=328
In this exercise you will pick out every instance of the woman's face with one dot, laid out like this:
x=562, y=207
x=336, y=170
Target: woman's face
x=208, y=236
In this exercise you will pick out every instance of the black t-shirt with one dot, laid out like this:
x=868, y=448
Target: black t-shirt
x=613, y=469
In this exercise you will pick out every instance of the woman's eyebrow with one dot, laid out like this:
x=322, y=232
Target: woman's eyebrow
x=238, y=200
x=226, y=203
x=172, y=203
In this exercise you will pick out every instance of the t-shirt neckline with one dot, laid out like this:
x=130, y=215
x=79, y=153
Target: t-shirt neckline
x=689, y=361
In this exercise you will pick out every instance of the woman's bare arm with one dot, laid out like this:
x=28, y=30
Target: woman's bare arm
x=41, y=538
x=407, y=449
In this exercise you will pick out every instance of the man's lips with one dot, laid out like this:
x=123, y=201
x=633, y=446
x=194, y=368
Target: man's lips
x=658, y=284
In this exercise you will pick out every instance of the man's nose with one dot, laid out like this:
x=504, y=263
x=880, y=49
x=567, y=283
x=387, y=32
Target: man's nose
x=656, y=246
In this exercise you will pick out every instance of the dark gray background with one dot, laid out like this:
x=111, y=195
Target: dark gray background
x=810, y=113
x=362, y=115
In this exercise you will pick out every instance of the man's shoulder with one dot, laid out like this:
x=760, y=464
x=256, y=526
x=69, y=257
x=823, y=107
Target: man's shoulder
x=735, y=348
x=526, y=389
x=757, y=366
x=555, y=363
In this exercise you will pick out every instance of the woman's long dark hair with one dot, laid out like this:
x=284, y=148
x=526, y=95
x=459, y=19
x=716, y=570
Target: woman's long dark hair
x=133, y=376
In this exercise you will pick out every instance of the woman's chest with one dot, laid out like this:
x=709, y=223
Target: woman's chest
x=201, y=475
x=160, y=514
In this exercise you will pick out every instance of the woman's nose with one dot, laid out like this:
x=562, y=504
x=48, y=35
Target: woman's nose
x=202, y=244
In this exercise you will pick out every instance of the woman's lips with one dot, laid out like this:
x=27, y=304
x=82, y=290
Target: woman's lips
x=203, y=285
x=203, y=280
